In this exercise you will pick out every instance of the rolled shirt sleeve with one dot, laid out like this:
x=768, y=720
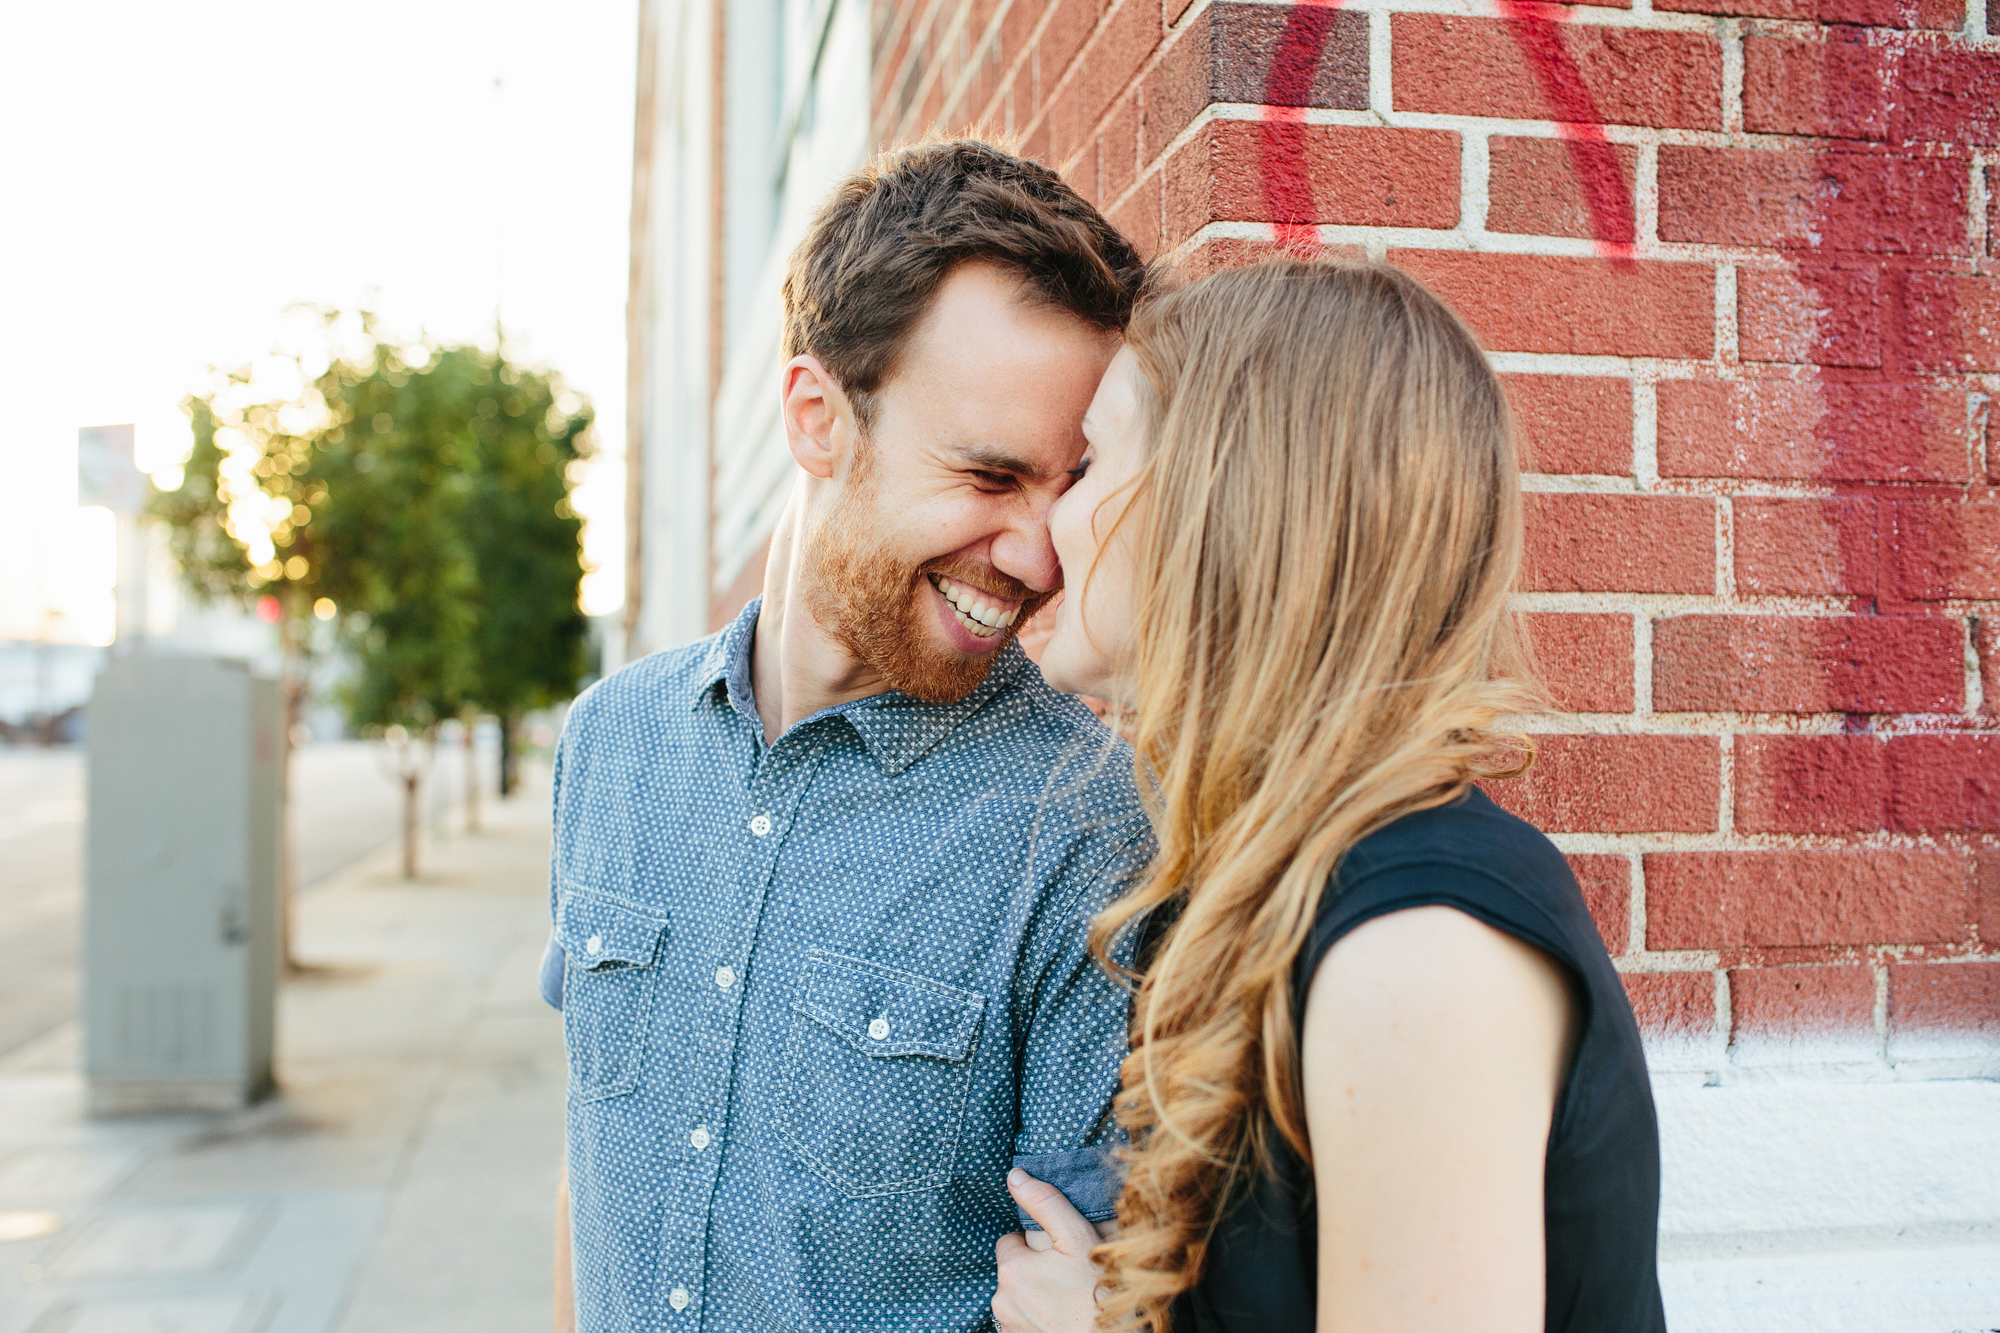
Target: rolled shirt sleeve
x=554, y=961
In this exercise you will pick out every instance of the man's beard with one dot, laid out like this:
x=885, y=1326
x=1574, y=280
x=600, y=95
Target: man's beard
x=875, y=604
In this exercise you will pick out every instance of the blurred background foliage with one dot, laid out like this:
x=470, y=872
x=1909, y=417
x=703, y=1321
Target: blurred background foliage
x=416, y=496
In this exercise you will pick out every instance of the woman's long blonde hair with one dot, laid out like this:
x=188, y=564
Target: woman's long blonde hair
x=1328, y=528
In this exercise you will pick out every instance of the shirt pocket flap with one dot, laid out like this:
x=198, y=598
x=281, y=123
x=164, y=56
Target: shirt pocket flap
x=596, y=933
x=883, y=1011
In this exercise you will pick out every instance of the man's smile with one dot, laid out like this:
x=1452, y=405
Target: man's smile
x=983, y=614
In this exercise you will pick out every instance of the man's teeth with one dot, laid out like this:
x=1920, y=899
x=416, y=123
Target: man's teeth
x=975, y=612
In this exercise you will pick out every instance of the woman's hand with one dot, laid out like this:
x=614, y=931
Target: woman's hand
x=1047, y=1282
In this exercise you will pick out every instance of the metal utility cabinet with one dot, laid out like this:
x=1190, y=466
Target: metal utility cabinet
x=181, y=920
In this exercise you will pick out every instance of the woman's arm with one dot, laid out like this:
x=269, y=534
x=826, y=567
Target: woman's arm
x=1434, y=1046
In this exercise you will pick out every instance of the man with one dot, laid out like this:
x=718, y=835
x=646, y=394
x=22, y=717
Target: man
x=822, y=882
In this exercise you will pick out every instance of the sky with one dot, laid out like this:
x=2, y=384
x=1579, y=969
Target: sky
x=178, y=175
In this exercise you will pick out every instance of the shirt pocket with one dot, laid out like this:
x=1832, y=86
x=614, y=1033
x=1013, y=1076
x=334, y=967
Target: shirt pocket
x=610, y=981
x=877, y=1066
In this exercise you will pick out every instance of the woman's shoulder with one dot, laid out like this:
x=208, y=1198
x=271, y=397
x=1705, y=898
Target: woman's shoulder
x=1467, y=853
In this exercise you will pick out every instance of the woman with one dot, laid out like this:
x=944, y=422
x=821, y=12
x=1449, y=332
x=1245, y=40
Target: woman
x=1383, y=1075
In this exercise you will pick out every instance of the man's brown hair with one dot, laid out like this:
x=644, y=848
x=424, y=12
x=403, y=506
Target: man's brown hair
x=880, y=248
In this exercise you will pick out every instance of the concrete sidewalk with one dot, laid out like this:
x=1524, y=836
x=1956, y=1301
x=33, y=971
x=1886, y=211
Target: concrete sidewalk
x=401, y=1180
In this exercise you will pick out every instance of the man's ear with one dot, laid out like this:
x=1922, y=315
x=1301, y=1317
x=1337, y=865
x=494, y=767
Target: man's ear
x=819, y=421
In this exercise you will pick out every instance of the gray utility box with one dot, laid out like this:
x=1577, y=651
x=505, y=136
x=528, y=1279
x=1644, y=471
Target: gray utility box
x=181, y=920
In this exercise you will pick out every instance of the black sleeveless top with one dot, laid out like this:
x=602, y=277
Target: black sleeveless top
x=1601, y=1185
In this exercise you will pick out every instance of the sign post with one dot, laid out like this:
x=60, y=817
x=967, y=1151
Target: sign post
x=108, y=476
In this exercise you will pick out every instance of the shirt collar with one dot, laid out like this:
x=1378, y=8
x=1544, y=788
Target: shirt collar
x=897, y=728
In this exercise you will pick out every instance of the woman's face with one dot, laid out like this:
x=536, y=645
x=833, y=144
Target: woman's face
x=1087, y=649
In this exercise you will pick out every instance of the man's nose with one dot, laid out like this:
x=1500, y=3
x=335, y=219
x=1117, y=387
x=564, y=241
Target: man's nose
x=1023, y=549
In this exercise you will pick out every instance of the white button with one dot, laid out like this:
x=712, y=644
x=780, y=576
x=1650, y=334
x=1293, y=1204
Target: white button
x=761, y=825
x=879, y=1029
x=594, y=945
x=699, y=1138
x=725, y=977
x=678, y=1298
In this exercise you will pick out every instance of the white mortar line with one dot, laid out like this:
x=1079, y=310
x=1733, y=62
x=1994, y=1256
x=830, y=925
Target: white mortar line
x=1975, y=225
x=1880, y=1011
x=1726, y=345
x=1635, y=911
x=1729, y=32
x=1381, y=78
x=1474, y=171
x=1975, y=692
x=1642, y=672
x=1646, y=427
x=1724, y=1015
x=1725, y=816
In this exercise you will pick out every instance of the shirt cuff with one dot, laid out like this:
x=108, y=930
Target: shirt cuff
x=1089, y=1177
x=553, y=964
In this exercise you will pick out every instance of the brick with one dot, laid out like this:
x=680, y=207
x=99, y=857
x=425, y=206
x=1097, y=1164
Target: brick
x=1069, y=143
x=1871, y=13
x=1781, y=1002
x=1805, y=548
x=1948, y=93
x=1677, y=1006
x=1823, y=432
x=1809, y=784
x=1259, y=54
x=1944, y=784
x=1619, y=543
x=1573, y=72
x=1585, y=660
x=1826, y=202
x=1986, y=897
x=1535, y=186
x=1606, y=885
x=1838, y=88
x=1113, y=58
x=1618, y=784
x=1952, y=322
x=1777, y=899
x=1916, y=90
x=1359, y=176
x=1573, y=423
x=1945, y=998
x=1118, y=151
x=1212, y=254
x=1296, y=55
x=1946, y=548
x=1069, y=27
x=1810, y=314
x=1807, y=664
x=1541, y=303
x=1139, y=217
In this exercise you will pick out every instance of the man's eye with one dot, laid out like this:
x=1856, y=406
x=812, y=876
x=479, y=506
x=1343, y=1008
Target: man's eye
x=994, y=480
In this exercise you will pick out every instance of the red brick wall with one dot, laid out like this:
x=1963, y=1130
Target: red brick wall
x=1739, y=261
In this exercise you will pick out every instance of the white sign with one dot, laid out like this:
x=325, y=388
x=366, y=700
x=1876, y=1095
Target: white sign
x=105, y=472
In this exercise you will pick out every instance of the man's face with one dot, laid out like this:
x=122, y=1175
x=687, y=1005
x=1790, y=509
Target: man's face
x=935, y=548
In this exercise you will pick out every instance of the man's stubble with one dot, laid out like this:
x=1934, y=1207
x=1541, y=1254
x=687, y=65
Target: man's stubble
x=874, y=602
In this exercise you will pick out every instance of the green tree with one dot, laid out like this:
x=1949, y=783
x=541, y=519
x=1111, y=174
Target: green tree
x=419, y=494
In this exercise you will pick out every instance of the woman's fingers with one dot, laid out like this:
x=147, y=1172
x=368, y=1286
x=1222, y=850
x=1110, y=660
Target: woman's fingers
x=1053, y=1212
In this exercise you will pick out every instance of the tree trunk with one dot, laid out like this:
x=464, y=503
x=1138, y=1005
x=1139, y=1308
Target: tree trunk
x=292, y=690
x=510, y=759
x=412, y=821
x=471, y=776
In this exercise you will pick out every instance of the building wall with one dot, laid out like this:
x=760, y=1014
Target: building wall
x=1738, y=269
x=748, y=112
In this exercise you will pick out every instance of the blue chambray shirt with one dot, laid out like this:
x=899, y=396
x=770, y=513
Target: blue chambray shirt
x=819, y=996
